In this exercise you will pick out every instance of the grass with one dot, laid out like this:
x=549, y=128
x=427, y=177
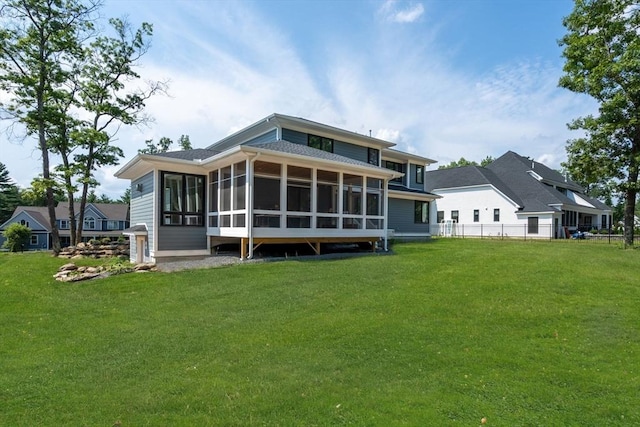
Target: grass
x=442, y=333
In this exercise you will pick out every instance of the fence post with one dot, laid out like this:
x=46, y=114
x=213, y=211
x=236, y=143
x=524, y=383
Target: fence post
x=502, y=233
x=481, y=232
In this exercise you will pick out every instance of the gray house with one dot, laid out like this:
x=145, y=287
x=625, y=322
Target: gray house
x=280, y=180
x=100, y=220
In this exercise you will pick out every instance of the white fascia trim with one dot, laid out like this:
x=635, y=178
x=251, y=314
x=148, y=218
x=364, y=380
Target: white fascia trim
x=395, y=194
x=372, y=171
x=390, y=153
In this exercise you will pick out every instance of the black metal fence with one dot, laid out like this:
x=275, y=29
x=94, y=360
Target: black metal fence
x=522, y=232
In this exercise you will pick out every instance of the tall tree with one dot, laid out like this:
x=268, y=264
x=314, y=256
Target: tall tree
x=602, y=53
x=106, y=94
x=38, y=38
x=9, y=194
x=459, y=163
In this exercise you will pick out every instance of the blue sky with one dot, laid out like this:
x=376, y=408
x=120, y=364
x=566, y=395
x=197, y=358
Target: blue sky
x=441, y=78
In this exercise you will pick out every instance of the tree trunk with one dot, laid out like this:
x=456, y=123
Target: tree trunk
x=629, y=217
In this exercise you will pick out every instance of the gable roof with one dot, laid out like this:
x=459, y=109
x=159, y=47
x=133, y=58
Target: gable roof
x=39, y=214
x=194, y=154
x=529, y=184
x=467, y=176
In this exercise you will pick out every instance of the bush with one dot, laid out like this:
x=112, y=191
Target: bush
x=17, y=236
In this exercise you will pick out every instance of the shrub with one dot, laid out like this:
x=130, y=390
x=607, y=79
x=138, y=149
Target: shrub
x=17, y=236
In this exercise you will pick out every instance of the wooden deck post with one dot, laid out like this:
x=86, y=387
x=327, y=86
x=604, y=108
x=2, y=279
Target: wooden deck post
x=243, y=248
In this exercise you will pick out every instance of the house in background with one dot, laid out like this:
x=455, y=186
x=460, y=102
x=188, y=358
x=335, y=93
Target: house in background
x=513, y=196
x=100, y=220
x=280, y=180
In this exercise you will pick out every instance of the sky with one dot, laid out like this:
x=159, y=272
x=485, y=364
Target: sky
x=442, y=79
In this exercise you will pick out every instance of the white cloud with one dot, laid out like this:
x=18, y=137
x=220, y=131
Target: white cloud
x=391, y=11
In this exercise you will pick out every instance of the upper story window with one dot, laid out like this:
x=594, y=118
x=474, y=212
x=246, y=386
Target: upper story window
x=113, y=225
x=64, y=224
x=398, y=167
x=373, y=156
x=182, y=199
x=419, y=174
x=321, y=143
x=89, y=223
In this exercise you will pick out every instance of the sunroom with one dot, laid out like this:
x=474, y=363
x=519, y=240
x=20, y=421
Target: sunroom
x=286, y=193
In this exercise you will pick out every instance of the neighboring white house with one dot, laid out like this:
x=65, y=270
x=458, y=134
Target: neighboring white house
x=512, y=196
x=282, y=179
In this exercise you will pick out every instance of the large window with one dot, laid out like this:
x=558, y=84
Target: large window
x=298, y=196
x=113, y=225
x=267, y=186
x=532, y=223
x=182, y=199
x=421, y=212
x=321, y=143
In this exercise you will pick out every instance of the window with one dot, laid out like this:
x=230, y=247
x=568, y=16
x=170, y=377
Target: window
x=421, y=214
x=113, y=225
x=455, y=215
x=476, y=215
x=267, y=188
x=496, y=215
x=374, y=197
x=532, y=223
x=440, y=216
x=321, y=143
x=64, y=224
x=89, y=223
x=394, y=166
x=419, y=174
x=34, y=239
x=373, y=156
x=25, y=223
x=182, y=199
x=239, y=187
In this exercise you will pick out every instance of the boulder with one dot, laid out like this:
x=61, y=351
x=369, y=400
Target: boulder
x=68, y=267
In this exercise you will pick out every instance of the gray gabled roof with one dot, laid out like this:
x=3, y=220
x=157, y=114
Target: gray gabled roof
x=467, y=176
x=194, y=154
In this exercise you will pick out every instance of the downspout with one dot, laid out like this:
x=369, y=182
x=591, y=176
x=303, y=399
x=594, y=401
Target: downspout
x=250, y=203
x=386, y=214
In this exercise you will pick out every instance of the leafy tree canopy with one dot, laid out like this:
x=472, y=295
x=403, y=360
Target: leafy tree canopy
x=464, y=162
x=164, y=145
x=602, y=53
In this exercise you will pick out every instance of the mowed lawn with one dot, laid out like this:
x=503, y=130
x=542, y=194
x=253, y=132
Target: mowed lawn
x=441, y=333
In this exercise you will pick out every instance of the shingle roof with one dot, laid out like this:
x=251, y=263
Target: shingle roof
x=468, y=176
x=196, y=153
x=399, y=187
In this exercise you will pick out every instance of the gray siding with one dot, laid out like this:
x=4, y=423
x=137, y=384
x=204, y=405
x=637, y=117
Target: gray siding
x=352, y=151
x=142, y=204
x=267, y=137
x=181, y=238
x=412, y=177
x=345, y=149
x=401, y=217
x=294, y=136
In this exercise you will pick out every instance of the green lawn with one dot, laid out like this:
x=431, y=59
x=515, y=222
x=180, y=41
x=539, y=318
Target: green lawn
x=441, y=333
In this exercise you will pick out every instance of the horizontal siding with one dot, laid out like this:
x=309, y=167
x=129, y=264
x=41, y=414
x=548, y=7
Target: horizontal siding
x=32, y=224
x=345, y=149
x=412, y=177
x=267, y=137
x=351, y=151
x=181, y=238
x=294, y=136
x=142, y=204
x=401, y=217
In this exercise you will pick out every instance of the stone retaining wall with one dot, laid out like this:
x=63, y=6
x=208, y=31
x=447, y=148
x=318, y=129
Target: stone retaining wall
x=107, y=250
